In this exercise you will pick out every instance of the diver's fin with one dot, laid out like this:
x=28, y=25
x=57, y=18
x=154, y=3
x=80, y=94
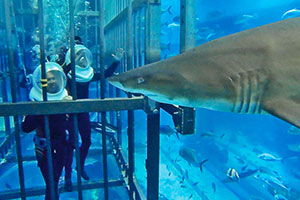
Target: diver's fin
x=201, y=163
x=285, y=109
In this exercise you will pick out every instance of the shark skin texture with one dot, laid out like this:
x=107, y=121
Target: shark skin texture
x=256, y=71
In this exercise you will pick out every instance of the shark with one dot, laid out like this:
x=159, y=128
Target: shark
x=256, y=71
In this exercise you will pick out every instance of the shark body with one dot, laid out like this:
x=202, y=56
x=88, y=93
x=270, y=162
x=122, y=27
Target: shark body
x=256, y=71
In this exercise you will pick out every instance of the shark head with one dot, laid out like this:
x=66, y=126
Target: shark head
x=151, y=81
x=178, y=80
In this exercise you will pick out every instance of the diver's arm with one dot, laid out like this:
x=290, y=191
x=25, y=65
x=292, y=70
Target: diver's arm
x=117, y=56
x=107, y=73
x=30, y=122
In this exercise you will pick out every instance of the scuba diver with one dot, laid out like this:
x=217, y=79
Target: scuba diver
x=84, y=75
x=56, y=82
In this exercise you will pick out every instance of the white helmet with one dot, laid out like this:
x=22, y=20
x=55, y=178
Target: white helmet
x=56, y=83
x=83, y=62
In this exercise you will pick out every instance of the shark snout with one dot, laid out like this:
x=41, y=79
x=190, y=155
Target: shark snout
x=116, y=81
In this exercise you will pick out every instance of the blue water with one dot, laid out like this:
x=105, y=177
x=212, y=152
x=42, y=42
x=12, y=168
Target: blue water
x=227, y=140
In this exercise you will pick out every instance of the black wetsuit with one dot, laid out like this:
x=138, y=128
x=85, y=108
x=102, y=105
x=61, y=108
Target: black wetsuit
x=84, y=125
x=57, y=126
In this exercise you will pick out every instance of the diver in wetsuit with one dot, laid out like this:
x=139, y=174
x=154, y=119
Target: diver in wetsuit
x=84, y=75
x=56, y=82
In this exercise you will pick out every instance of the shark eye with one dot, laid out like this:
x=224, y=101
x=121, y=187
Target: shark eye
x=140, y=80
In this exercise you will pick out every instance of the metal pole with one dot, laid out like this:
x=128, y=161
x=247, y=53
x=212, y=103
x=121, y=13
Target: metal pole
x=44, y=90
x=130, y=132
x=152, y=48
x=187, y=25
x=129, y=37
x=74, y=94
x=152, y=162
x=118, y=91
x=103, y=114
x=13, y=94
x=5, y=99
x=130, y=65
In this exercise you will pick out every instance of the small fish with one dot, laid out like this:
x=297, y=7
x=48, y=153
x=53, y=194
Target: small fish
x=168, y=10
x=189, y=155
x=186, y=174
x=214, y=186
x=207, y=134
x=176, y=19
x=173, y=25
x=268, y=171
x=291, y=13
x=205, y=33
x=201, y=164
x=183, y=186
x=165, y=46
x=294, y=130
x=269, y=157
x=167, y=130
x=8, y=186
x=243, y=19
x=210, y=134
x=296, y=174
x=182, y=179
x=247, y=173
x=169, y=174
x=214, y=14
x=294, y=147
x=162, y=197
x=163, y=33
x=232, y=174
x=196, y=183
x=240, y=160
x=191, y=196
x=243, y=168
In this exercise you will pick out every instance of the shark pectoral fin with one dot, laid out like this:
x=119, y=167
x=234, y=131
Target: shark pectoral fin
x=285, y=109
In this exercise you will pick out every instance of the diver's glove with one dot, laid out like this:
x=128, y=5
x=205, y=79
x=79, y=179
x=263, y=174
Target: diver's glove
x=118, y=55
x=68, y=98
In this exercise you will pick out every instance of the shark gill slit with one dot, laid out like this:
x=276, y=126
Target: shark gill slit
x=260, y=88
x=247, y=92
x=254, y=93
x=235, y=80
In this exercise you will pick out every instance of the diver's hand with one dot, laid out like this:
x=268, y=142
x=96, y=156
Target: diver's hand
x=68, y=98
x=118, y=55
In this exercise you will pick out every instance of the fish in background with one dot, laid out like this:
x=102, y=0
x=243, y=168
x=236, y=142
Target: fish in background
x=232, y=174
x=269, y=157
x=215, y=14
x=168, y=10
x=294, y=147
x=176, y=19
x=294, y=131
x=291, y=13
x=205, y=33
x=277, y=188
x=211, y=134
x=188, y=154
x=268, y=171
x=167, y=130
x=173, y=25
x=272, y=181
x=165, y=46
x=247, y=173
x=213, y=185
x=244, y=19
